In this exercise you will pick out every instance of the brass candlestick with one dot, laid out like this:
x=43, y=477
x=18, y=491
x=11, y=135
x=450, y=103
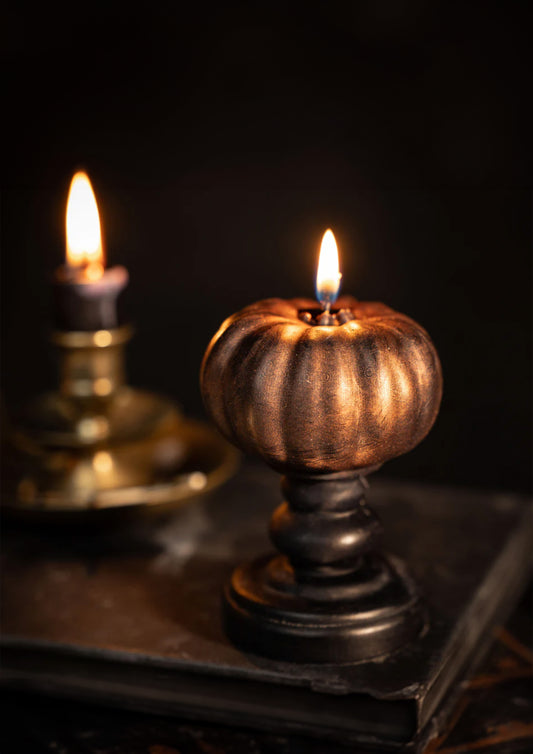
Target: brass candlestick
x=97, y=444
x=325, y=398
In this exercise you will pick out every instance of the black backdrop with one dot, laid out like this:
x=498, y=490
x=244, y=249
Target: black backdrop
x=222, y=141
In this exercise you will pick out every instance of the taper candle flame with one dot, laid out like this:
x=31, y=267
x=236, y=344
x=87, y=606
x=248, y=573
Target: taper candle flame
x=84, y=236
x=328, y=277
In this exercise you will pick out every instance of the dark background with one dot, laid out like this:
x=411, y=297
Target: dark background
x=222, y=140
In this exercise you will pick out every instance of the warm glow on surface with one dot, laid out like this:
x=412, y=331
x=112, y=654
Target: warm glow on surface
x=102, y=462
x=84, y=236
x=328, y=277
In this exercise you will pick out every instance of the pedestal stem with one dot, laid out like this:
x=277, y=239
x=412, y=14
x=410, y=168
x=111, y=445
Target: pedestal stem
x=325, y=525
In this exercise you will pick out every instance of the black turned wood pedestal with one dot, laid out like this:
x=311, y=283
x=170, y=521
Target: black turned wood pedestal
x=132, y=618
x=329, y=594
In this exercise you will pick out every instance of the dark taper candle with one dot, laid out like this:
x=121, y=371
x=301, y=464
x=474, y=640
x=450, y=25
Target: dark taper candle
x=85, y=293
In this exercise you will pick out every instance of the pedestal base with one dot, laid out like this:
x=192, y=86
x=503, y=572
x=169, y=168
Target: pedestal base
x=363, y=614
x=331, y=596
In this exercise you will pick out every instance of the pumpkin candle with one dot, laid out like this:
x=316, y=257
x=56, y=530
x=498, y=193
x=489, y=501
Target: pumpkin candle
x=307, y=386
x=324, y=395
x=85, y=293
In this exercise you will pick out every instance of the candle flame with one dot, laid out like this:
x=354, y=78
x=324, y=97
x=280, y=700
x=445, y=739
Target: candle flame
x=328, y=277
x=84, y=235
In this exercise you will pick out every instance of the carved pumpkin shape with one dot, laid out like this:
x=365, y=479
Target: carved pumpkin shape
x=308, y=397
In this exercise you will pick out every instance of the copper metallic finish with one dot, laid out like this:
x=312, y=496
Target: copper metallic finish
x=312, y=398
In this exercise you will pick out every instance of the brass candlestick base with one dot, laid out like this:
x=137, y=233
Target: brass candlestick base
x=98, y=445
